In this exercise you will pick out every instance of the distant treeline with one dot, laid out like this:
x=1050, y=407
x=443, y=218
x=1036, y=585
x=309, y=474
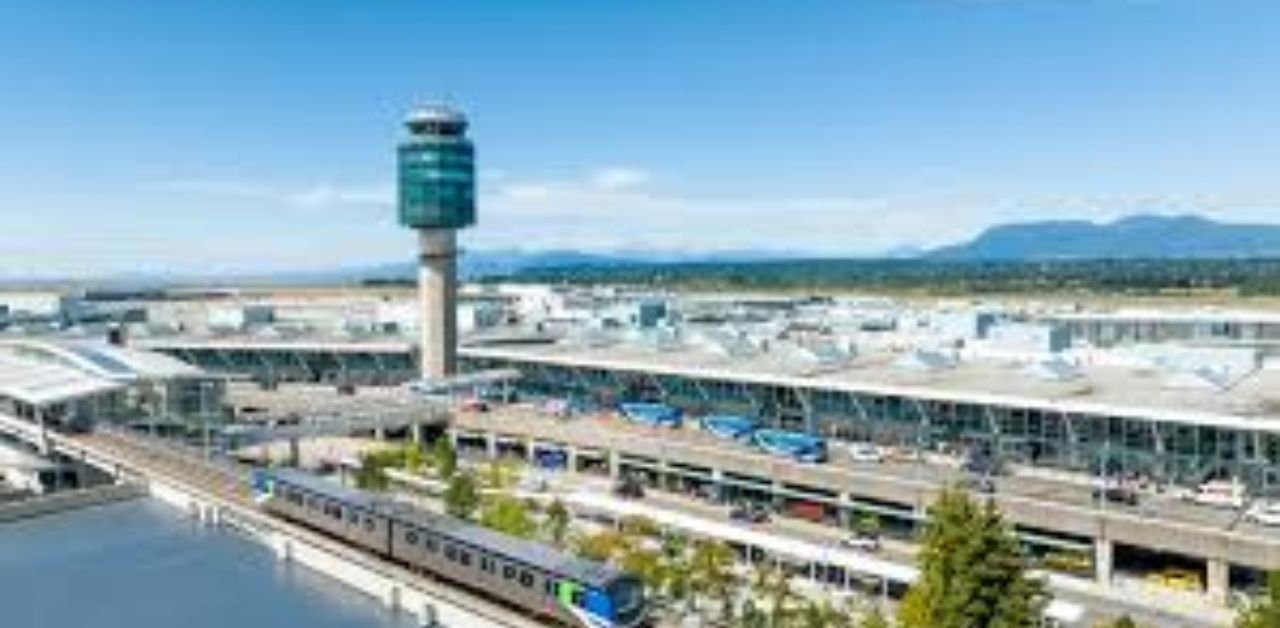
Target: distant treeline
x=1129, y=277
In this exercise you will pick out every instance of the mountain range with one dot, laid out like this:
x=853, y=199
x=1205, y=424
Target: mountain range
x=1143, y=236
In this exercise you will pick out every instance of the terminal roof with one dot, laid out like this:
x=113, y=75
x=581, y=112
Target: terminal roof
x=43, y=383
x=102, y=359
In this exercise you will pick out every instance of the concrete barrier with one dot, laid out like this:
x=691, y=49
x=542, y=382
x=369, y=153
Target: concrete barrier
x=69, y=500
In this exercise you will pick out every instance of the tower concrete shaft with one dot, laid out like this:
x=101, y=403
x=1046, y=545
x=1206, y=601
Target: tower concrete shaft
x=437, y=290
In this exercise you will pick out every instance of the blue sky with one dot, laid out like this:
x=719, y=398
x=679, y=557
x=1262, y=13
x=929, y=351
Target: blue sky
x=258, y=134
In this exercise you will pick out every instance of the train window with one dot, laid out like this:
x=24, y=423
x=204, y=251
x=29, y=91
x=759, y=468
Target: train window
x=451, y=552
x=369, y=524
x=578, y=597
x=431, y=544
x=411, y=537
x=464, y=557
x=486, y=564
x=550, y=588
x=526, y=579
x=508, y=572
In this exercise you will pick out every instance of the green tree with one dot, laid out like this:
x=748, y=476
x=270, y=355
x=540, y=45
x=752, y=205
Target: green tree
x=973, y=572
x=645, y=564
x=677, y=581
x=822, y=614
x=369, y=476
x=609, y=545
x=867, y=525
x=445, y=457
x=772, y=585
x=639, y=526
x=1263, y=610
x=462, y=497
x=874, y=618
x=711, y=574
x=508, y=515
x=414, y=458
x=557, y=522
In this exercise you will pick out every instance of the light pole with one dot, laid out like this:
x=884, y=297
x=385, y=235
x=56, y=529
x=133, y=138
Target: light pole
x=206, y=437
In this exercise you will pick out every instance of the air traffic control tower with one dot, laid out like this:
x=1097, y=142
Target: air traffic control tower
x=436, y=198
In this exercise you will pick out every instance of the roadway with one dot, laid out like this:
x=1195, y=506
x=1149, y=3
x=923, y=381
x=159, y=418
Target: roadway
x=1055, y=505
x=1061, y=490
x=1173, y=611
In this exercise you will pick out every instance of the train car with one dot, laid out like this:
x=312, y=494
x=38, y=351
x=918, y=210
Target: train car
x=520, y=573
x=530, y=575
x=354, y=516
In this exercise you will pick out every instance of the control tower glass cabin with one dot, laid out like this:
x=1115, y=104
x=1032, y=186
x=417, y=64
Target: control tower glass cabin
x=437, y=171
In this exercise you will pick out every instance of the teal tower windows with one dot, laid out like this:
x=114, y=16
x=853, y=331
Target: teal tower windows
x=437, y=171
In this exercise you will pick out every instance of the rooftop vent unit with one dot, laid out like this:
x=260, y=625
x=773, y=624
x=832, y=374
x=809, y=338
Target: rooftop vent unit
x=927, y=361
x=1054, y=370
x=1203, y=378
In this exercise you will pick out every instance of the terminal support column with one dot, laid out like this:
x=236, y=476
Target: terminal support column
x=437, y=291
x=1218, y=572
x=1103, y=560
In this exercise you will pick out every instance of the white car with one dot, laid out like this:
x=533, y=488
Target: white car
x=861, y=542
x=1264, y=512
x=866, y=452
x=533, y=484
x=1220, y=494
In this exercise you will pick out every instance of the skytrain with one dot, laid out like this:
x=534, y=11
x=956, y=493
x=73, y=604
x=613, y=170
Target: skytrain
x=529, y=576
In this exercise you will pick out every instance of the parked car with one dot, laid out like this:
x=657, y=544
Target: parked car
x=1178, y=578
x=982, y=464
x=749, y=514
x=809, y=511
x=1116, y=493
x=983, y=484
x=533, y=484
x=862, y=542
x=1220, y=494
x=1264, y=512
x=629, y=488
x=866, y=452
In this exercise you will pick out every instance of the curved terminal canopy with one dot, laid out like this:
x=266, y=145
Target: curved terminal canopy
x=436, y=119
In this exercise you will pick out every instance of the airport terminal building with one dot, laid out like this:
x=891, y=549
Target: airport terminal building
x=1181, y=428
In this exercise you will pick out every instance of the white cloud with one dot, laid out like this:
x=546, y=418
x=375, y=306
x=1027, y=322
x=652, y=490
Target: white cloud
x=618, y=178
x=623, y=207
x=317, y=196
x=327, y=196
x=628, y=208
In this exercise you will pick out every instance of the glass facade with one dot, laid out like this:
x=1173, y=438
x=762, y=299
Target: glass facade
x=437, y=182
x=1086, y=443
x=1163, y=451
